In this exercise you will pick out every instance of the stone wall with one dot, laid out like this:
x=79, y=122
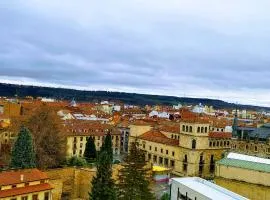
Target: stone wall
x=73, y=183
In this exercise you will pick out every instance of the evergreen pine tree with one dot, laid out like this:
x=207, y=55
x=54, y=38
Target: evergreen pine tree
x=90, y=152
x=103, y=186
x=133, y=181
x=107, y=146
x=23, y=155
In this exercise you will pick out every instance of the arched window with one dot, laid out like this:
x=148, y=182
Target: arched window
x=183, y=128
x=190, y=129
x=198, y=130
x=201, y=129
x=210, y=144
x=224, y=143
x=205, y=129
x=217, y=143
x=193, y=144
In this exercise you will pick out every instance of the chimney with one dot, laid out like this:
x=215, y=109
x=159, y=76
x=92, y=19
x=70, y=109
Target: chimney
x=22, y=177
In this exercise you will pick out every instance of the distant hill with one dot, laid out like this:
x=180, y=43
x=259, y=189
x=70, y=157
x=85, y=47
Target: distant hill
x=10, y=90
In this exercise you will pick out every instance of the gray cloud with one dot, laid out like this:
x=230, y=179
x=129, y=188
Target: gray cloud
x=179, y=48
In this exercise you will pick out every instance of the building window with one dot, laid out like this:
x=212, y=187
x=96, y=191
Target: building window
x=46, y=196
x=186, y=128
x=173, y=153
x=256, y=148
x=144, y=146
x=35, y=197
x=201, y=129
x=224, y=143
x=246, y=147
x=193, y=144
x=149, y=156
x=81, y=145
x=172, y=163
x=228, y=143
x=155, y=148
x=160, y=160
x=25, y=198
x=205, y=129
x=198, y=130
x=167, y=152
x=183, y=128
x=161, y=150
x=210, y=144
x=14, y=186
x=155, y=158
x=166, y=162
x=81, y=138
x=217, y=143
x=150, y=148
x=190, y=129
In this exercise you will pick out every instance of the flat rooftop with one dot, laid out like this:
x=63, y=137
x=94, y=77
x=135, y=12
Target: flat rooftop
x=208, y=189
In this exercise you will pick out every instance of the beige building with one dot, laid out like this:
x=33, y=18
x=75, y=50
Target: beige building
x=29, y=184
x=77, y=136
x=246, y=175
x=193, y=153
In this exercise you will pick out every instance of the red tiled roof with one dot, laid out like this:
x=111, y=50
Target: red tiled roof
x=171, y=129
x=220, y=135
x=25, y=190
x=158, y=137
x=14, y=177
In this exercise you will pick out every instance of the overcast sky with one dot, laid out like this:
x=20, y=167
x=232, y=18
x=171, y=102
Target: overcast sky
x=215, y=49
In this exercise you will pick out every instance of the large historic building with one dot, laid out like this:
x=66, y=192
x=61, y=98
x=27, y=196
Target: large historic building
x=190, y=152
x=77, y=135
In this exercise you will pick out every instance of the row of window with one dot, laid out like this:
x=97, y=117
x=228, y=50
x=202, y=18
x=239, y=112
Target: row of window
x=161, y=150
x=161, y=161
x=254, y=148
x=219, y=143
x=175, y=137
x=93, y=137
x=34, y=197
x=189, y=129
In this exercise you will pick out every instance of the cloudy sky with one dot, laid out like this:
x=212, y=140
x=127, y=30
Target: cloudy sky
x=215, y=49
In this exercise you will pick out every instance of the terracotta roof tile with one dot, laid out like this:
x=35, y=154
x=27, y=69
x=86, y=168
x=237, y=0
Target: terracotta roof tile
x=158, y=137
x=13, y=177
x=25, y=190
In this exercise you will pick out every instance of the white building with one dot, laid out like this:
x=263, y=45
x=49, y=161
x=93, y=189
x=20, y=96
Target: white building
x=194, y=188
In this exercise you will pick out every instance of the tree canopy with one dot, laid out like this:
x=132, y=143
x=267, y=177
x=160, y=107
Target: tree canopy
x=133, y=177
x=103, y=186
x=90, y=152
x=23, y=155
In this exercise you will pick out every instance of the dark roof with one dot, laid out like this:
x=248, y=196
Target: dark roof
x=262, y=132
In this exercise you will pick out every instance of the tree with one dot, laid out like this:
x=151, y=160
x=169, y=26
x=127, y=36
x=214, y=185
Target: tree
x=165, y=196
x=107, y=146
x=133, y=181
x=23, y=155
x=49, y=141
x=76, y=161
x=103, y=186
x=90, y=152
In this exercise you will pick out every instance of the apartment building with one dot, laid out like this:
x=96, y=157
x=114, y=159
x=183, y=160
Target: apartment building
x=30, y=184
